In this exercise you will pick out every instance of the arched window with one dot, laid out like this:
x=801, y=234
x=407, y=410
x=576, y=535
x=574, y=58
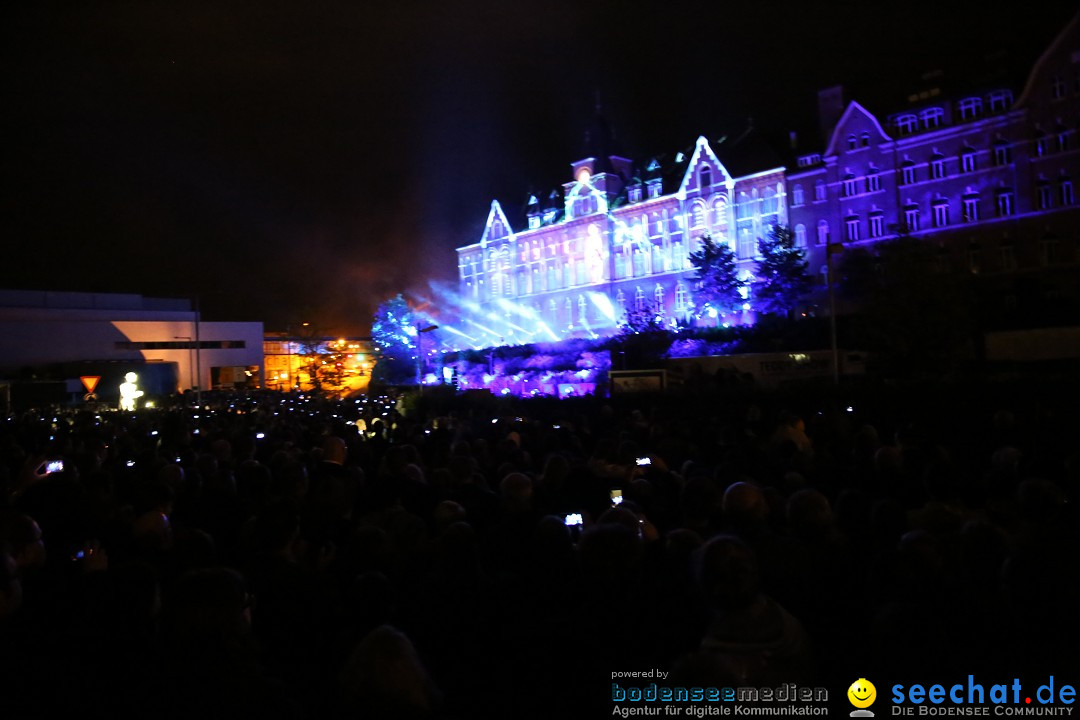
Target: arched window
x=697, y=215
x=823, y=233
x=639, y=300
x=852, y=142
x=620, y=300
x=800, y=235
x=553, y=312
x=797, y=195
x=569, y=313
x=706, y=178
x=680, y=297
x=659, y=295
x=582, y=307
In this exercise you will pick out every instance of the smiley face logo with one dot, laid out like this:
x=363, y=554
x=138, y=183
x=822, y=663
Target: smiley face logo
x=862, y=693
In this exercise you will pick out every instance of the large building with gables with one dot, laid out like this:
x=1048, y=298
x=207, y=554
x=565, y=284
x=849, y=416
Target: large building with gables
x=616, y=240
x=986, y=174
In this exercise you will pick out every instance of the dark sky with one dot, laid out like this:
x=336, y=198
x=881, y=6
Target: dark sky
x=304, y=161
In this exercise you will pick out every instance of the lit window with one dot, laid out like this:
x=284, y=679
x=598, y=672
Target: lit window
x=639, y=300
x=620, y=300
x=970, y=108
x=1000, y=100
x=823, y=233
x=967, y=160
x=941, y=213
x=680, y=297
x=873, y=180
x=569, y=312
x=819, y=191
x=937, y=166
x=800, y=235
x=911, y=217
x=583, y=308
x=907, y=124
x=907, y=172
x=932, y=117
x=659, y=295
x=635, y=193
x=797, y=195
x=849, y=185
x=654, y=188
x=747, y=244
x=877, y=225
x=1067, y=192
x=1002, y=153
x=971, y=208
x=851, y=229
x=1005, y=205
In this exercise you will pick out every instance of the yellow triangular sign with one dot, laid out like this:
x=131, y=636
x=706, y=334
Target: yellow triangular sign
x=90, y=382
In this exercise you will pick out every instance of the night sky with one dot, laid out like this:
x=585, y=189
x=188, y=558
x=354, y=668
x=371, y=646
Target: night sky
x=293, y=162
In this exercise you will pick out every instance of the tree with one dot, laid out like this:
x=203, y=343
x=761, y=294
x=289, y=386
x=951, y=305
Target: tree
x=715, y=274
x=909, y=306
x=393, y=330
x=783, y=280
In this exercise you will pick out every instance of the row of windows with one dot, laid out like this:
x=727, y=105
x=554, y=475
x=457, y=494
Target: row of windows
x=970, y=108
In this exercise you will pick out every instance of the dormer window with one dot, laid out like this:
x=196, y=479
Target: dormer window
x=906, y=124
x=654, y=188
x=705, y=179
x=852, y=142
x=1000, y=100
x=534, y=222
x=970, y=108
x=866, y=139
x=932, y=117
x=634, y=193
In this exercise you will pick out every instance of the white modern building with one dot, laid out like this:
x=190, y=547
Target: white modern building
x=54, y=334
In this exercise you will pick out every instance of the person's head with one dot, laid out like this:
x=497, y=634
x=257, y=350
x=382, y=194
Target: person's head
x=744, y=506
x=385, y=673
x=516, y=491
x=334, y=450
x=809, y=515
x=727, y=572
x=24, y=541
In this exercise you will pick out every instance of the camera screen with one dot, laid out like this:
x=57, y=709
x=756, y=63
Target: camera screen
x=644, y=461
x=573, y=519
x=55, y=466
x=616, y=497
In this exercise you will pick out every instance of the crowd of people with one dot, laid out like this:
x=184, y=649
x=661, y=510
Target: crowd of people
x=297, y=557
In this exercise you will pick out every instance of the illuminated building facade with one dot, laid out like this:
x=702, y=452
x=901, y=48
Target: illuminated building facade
x=615, y=241
x=988, y=176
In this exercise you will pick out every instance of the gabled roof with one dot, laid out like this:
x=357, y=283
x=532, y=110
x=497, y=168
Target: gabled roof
x=496, y=215
x=702, y=154
x=854, y=109
x=1054, y=46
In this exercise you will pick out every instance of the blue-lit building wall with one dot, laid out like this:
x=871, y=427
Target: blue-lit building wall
x=988, y=176
x=615, y=243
